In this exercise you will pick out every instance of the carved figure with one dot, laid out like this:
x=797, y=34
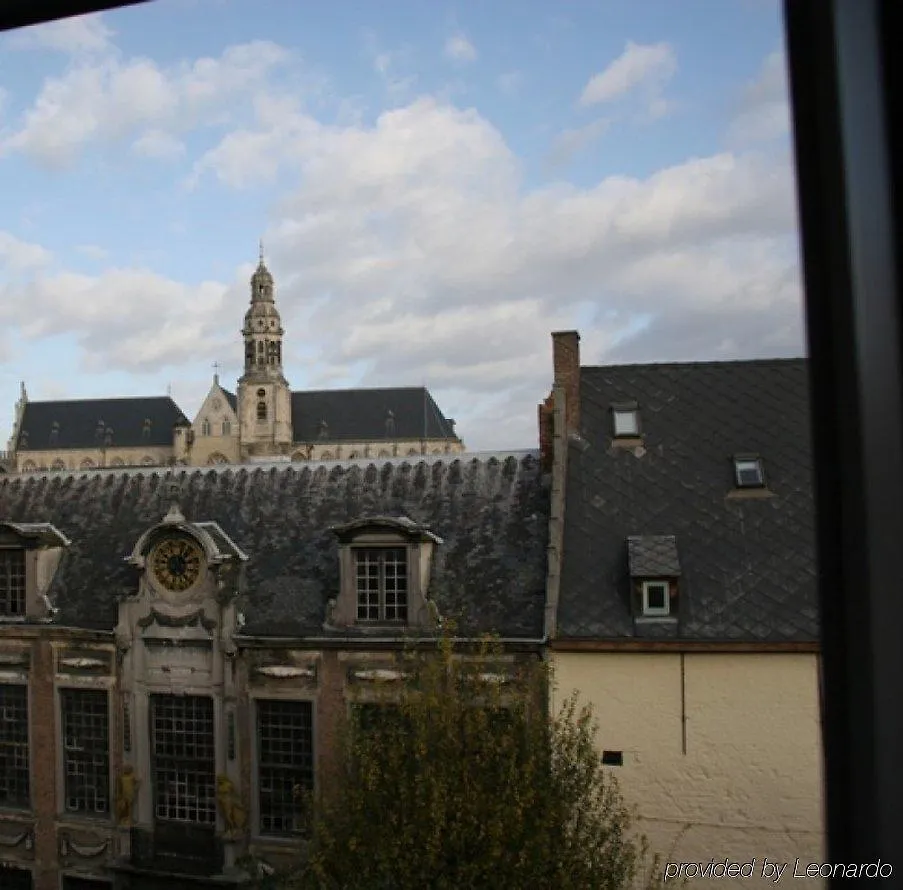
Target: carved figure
x=234, y=813
x=126, y=791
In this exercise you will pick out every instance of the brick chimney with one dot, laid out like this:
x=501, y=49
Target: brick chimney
x=566, y=364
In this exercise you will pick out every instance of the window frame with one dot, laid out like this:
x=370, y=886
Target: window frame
x=266, y=698
x=650, y=611
x=12, y=804
x=630, y=409
x=751, y=460
x=357, y=550
x=5, y=598
x=63, y=692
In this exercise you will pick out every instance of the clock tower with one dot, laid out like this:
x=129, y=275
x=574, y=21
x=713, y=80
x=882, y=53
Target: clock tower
x=264, y=398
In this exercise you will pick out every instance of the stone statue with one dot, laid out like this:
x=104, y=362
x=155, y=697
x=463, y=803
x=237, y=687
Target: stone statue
x=126, y=791
x=234, y=813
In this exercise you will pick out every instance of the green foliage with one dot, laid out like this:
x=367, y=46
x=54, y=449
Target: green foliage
x=464, y=782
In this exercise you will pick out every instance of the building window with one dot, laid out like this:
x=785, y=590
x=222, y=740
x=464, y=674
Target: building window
x=656, y=598
x=284, y=763
x=261, y=410
x=382, y=583
x=14, y=791
x=12, y=583
x=13, y=878
x=749, y=472
x=58, y=465
x=86, y=745
x=87, y=464
x=183, y=762
x=29, y=466
x=205, y=427
x=227, y=427
x=625, y=421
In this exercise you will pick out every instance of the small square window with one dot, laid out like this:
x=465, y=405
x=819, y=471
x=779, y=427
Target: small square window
x=625, y=422
x=656, y=599
x=748, y=472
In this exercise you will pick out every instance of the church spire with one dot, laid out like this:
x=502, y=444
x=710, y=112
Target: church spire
x=262, y=330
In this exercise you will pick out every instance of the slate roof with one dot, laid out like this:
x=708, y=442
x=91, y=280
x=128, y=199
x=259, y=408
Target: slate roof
x=362, y=414
x=78, y=421
x=747, y=563
x=491, y=513
x=653, y=556
x=231, y=398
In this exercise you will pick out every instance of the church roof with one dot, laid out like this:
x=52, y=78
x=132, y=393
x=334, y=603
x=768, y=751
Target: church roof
x=490, y=512
x=368, y=414
x=75, y=423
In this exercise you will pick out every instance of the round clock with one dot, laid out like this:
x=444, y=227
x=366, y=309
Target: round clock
x=176, y=563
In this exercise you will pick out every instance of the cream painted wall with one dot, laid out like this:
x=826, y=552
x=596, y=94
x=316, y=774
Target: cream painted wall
x=750, y=783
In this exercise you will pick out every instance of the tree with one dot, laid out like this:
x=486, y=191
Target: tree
x=457, y=778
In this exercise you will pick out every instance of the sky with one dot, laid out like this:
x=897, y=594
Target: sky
x=438, y=187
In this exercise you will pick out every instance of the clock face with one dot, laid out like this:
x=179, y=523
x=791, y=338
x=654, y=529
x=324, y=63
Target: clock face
x=176, y=563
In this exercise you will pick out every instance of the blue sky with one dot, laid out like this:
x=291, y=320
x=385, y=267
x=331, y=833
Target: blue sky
x=438, y=188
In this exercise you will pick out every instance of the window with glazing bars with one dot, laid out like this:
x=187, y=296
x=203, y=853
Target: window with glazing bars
x=382, y=583
x=86, y=746
x=12, y=878
x=12, y=582
x=182, y=746
x=14, y=790
x=285, y=763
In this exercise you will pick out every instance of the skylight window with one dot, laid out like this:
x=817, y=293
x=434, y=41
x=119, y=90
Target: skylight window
x=625, y=421
x=748, y=472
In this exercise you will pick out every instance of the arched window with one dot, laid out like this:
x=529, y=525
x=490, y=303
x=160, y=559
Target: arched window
x=58, y=465
x=326, y=455
x=261, y=410
x=298, y=456
x=205, y=427
x=354, y=455
x=147, y=461
x=29, y=466
x=117, y=462
x=87, y=464
x=217, y=458
x=227, y=427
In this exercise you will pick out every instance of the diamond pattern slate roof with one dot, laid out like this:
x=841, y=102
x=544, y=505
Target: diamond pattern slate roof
x=653, y=556
x=490, y=512
x=77, y=422
x=356, y=414
x=747, y=562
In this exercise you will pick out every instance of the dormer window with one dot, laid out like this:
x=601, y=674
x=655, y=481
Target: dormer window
x=54, y=433
x=656, y=598
x=146, y=430
x=382, y=583
x=654, y=571
x=12, y=583
x=625, y=421
x=384, y=569
x=749, y=471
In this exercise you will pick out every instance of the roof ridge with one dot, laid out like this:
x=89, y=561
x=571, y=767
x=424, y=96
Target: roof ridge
x=705, y=363
x=101, y=399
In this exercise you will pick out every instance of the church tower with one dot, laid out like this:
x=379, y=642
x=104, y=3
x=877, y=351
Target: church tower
x=264, y=398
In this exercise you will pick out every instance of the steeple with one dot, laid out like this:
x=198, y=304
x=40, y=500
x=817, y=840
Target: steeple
x=262, y=330
x=264, y=398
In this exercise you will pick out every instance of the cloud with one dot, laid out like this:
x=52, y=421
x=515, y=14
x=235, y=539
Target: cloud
x=459, y=49
x=111, y=99
x=408, y=249
x=763, y=111
x=570, y=143
x=159, y=145
x=640, y=65
x=509, y=82
x=93, y=251
x=73, y=36
x=18, y=256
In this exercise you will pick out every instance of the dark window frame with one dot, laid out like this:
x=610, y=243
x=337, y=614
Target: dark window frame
x=15, y=749
x=285, y=750
x=85, y=745
x=13, y=582
x=183, y=758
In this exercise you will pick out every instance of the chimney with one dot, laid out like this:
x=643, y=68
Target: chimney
x=566, y=364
